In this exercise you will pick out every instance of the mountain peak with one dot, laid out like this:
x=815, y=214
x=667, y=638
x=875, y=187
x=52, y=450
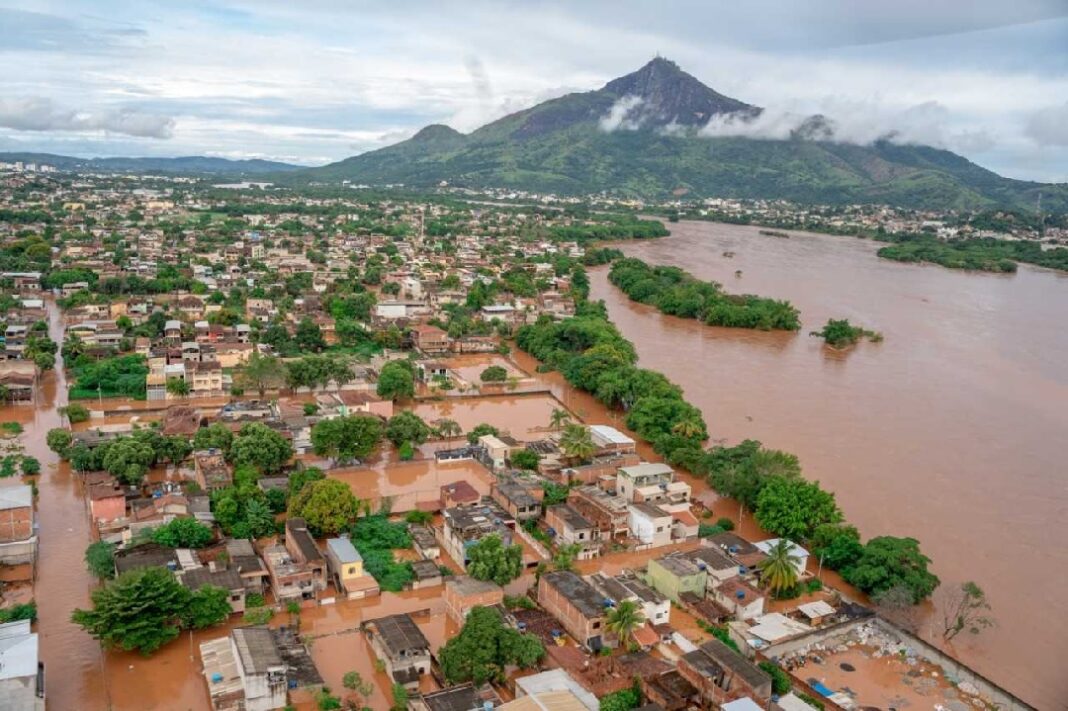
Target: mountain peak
x=437, y=132
x=668, y=95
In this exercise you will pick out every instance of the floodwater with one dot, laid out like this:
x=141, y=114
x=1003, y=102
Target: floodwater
x=525, y=417
x=408, y=484
x=952, y=430
x=72, y=659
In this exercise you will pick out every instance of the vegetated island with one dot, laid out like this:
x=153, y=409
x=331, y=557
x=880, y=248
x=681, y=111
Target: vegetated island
x=775, y=233
x=840, y=334
x=594, y=356
x=978, y=254
x=676, y=292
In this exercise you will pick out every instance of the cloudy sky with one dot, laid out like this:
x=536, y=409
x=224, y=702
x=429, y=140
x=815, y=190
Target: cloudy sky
x=317, y=80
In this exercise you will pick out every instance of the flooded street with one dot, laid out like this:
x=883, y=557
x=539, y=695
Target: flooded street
x=72, y=658
x=952, y=430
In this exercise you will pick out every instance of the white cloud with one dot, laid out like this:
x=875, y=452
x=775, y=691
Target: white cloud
x=861, y=122
x=625, y=114
x=36, y=113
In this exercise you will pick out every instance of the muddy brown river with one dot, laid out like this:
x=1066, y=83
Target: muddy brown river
x=952, y=430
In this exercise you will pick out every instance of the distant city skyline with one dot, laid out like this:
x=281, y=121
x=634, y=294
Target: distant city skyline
x=317, y=81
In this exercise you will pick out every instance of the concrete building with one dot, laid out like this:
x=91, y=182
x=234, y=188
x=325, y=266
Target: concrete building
x=229, y=580
x=18, y=526
x=716, y=670
x=463, y=592
x=21, y=671
x=578, y=606
x=655, y=606
x=345, y=565
x=674, y=575
x=651, y=482
x=650, y=524
x=400, y=644
x=466, y=526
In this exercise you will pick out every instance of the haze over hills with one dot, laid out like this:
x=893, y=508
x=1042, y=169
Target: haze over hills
x=646, y=134
x=184, y=164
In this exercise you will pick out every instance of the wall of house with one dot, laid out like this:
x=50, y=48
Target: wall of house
x=672, y=586
x=576, y=624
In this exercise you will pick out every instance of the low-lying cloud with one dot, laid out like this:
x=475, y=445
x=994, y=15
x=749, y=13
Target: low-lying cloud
x=856, y=122
x=42, y=114
x=625, y=114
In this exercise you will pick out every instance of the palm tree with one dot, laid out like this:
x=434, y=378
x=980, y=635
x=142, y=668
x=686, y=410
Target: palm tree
x=779, y=570
x=448, y=429
x=624, y=619
x=576, y=442
x=688, y=428
x=559, y=418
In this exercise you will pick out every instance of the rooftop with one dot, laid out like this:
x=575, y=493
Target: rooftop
x=257, y=649
x=399, y=634
x=18, y=650
x=577, y=591
x=556, y=680
x=343, y=550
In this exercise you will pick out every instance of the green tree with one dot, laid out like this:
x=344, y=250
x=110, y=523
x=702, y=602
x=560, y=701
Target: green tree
x=525, y=459
x=30, y=466
x=259, y=446
x=888, y=561
x=208, y=606
x=327, y=505
x=793, y=508
x=183, y=533
x=625, y=619
x=400, y=697
x=59, y=440
x=490, y=559
x=622, y=700
x=576, y=443
x=480, y=430
x=140, y=610
x=396, y=381
x=100, y=559
x=407, y=426
x=778, y=571
x=179, y=387
x=494, y=374
x=309, y=337
x=448, y=428
x=216, y=436
x=346, y=438
x=559, y=417
x=354, y=682
x=76, y=413
x=128, y=459
x=262, y=373
x=836, y=544
x=485, y=647
x=780, y=680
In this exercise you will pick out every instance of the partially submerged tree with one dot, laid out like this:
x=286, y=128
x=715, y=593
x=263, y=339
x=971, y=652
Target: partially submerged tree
x=965, y=609
x=485, y=647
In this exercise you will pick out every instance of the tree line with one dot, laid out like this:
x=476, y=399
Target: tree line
x=593, y=356
x=674, y=291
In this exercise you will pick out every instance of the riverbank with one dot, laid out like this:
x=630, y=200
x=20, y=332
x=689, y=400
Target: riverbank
x=948, y=430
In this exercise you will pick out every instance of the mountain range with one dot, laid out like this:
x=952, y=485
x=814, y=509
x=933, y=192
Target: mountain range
x=641, y=135
x=191, y=165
